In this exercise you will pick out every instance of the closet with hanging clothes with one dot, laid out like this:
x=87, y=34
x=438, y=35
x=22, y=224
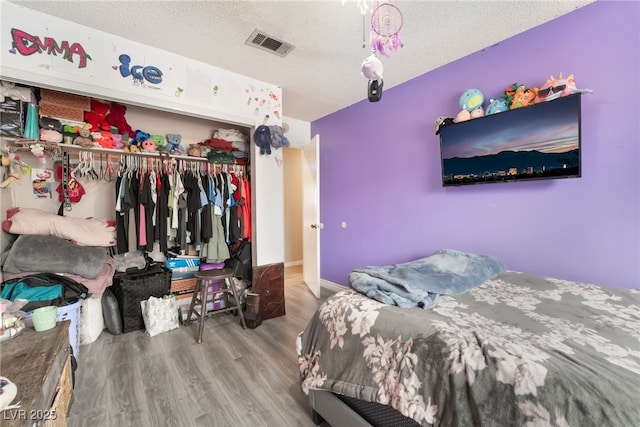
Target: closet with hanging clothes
x=183, y=207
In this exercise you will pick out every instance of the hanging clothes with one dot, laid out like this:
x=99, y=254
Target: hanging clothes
x=162, y=211
x=179, y=205
x=216, y=249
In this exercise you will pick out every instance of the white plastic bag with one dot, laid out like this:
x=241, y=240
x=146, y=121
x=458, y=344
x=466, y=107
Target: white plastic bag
x=91, y=321
x=160, y=314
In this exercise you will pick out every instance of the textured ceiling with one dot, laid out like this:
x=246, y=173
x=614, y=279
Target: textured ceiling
x=322, y=74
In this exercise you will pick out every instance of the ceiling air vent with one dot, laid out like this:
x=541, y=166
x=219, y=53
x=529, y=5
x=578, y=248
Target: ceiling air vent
x=270, y=44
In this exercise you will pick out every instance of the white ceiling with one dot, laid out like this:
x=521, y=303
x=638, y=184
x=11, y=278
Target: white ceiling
x=322, y=74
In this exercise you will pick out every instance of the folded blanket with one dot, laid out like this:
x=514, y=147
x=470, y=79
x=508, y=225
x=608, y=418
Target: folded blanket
x=95, y=286
x=83, y=231
x=52, y=254
x=419, y=282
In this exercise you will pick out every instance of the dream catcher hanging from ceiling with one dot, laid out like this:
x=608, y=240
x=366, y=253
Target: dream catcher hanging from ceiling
x=386, y=23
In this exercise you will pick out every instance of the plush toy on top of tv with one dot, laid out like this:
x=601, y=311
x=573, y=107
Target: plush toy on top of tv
x=509, y=92
x=470, y=103
x=442, y=122
x=556, y=87
x=523, y=97
x=496, y=106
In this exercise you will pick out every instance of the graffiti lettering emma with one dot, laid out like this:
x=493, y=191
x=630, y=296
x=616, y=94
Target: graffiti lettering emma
x=139, y=73
x=27, y=45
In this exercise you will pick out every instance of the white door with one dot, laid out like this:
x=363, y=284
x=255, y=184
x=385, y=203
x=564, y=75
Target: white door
x=311, y=225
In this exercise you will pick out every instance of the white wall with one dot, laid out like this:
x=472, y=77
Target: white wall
x=98, y=79
x=298, y=135
x=292, y=206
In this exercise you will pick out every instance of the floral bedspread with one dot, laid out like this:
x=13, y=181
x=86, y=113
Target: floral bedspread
x=519, y=350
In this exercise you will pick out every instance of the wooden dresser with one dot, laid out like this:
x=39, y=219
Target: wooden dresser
x=39, y=363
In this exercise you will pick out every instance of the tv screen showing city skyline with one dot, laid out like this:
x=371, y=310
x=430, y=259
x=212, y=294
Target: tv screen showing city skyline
x=536, y=142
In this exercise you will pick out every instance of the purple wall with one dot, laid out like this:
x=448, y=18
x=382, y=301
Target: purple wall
x=380, y=163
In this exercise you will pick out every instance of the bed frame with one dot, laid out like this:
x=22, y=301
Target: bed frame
x=346, y=411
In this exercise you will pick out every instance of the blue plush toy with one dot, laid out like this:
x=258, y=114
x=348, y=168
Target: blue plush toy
x=471, y=99
x=141, y=136
x=173, y=143
x=496, y=106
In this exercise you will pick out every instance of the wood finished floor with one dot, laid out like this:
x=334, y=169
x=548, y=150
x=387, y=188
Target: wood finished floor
x=234, y=378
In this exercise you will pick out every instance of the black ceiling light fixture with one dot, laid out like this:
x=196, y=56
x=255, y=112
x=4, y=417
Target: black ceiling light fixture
x=375, y=90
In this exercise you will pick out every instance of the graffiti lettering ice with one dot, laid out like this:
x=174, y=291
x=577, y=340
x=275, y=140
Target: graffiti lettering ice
x=28, y=44
x=139, y=73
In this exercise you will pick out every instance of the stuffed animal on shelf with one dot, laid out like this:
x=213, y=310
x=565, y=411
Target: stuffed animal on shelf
x=173, y=140
x=129, y=148
x=140, y=136
x=442, y=122
x=116, y=117
x=195, y=150
x=523, y=97
x=148, y=146
x=159, y=141
x=117, y=141
x=555, y=88
x=508, y=93
x=104, y=139
x=470, y=101
x=462, y=116
x=97, y=116
x=496, y=106
x=475, y=113
x=84, y=137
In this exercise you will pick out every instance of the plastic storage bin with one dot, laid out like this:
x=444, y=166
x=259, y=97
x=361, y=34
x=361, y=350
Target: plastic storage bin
x=72, y=312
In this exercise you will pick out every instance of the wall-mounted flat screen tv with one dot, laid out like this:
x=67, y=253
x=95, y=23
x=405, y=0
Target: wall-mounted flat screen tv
x=541, y=141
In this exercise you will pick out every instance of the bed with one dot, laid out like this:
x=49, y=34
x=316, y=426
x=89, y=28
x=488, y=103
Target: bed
x=515, y=350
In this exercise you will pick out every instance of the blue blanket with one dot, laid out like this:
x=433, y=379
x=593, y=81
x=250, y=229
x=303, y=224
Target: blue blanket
x=419, y=282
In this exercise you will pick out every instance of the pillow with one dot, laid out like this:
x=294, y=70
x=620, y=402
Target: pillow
x=83, y=231
x=111, y=312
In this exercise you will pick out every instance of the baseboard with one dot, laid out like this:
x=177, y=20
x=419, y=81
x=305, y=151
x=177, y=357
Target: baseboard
x=331, y=287
x=292, y=263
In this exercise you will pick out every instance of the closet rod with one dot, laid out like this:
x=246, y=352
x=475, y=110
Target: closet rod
x=71, y=147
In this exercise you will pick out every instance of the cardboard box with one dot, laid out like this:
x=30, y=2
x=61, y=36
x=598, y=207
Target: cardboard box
x=182, y=262
x=184, y=272
x=61, y=111
x=63, y=99
x=183, y=286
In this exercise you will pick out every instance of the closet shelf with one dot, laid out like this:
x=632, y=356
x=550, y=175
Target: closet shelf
x=21, y=144
x=71, y=147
